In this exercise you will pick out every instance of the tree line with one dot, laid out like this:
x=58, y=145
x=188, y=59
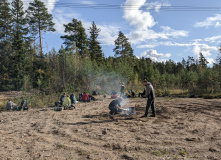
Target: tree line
x=80, y=64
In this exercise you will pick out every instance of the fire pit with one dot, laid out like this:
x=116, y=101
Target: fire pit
x=129, y=111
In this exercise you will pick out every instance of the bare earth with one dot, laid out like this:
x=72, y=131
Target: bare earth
x=183, y=129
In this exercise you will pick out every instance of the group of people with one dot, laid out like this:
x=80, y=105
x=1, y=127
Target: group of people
x=69, y=101
x=115, y=106
x=13, y=106
x=129, y=94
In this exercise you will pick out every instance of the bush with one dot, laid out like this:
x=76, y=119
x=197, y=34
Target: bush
x=212, y=96
x=162, y=93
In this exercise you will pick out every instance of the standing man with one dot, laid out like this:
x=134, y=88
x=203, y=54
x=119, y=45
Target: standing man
x=149, y=93
x=122, y=90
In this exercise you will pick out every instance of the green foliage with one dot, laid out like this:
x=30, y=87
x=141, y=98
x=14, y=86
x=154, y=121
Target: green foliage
x=94, y=45
x=5, y=20
x=160, y=152
x=212, y=96
x=76, y=35
x=182, y=152
x=81, y=65
x=39, y=20
x=19, y=64
x=122, y=46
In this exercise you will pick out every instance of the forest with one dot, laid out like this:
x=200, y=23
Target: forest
x=80, y=64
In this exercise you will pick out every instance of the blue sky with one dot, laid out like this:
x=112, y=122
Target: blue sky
x=158, y=29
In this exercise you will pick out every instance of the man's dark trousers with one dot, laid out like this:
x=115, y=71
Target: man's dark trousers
x=150, y=102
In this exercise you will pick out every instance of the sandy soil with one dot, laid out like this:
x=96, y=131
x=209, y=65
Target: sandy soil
x=183, y=129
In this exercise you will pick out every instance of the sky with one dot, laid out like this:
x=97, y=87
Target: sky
x=157, y=29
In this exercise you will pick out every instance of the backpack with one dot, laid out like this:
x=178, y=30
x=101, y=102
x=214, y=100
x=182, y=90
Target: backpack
x=58, y=106
x=24, y=105
x=95, y=93
x=72, y=97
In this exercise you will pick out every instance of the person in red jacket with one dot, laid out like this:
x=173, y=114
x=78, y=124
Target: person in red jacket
x=85, y=97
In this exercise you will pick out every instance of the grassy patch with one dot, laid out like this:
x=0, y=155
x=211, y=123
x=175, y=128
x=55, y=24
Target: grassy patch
x=212, y=96
x=60, y=146
x=182, y=152
x=160, y=152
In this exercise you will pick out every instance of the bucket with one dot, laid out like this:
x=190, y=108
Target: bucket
x=131, y=111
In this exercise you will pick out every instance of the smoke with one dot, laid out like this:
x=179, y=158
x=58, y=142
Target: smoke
x=107, y=83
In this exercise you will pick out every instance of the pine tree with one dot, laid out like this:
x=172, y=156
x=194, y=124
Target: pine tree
x=202, y=61
x=94, y=46
x=123, y=47
x=39, y=20
x=5, y=44
x=76, y=34
x=19, y=64
x=5, y=20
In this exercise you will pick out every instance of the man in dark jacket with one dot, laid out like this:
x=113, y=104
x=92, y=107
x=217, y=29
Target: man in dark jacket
x=115, y=107
x=149, y=93
x=62, y=98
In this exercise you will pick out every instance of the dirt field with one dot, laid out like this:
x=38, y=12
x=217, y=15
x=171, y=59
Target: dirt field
x=183, y=129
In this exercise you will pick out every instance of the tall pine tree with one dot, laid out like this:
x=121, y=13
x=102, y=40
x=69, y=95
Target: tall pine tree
x=202, y=61
x=39, y=20
x=122, y=46
x=76, y=34
x=5, y=20
x=19, y=63
x=5, y=44
x=94, y=46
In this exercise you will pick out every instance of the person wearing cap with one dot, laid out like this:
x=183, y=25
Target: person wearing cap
x=115, y=107
x=150, y=95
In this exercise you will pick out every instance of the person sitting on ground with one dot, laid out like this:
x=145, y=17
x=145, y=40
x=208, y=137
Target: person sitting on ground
x=67, y=102
x=73, y=99
x=115, y=107
x=85, y=97
x=133, y=93
x=62, y=98
x=141, y=94
x=114, y=94
x=10, y=105
x=91, y=97
x=129, y=94
x=95, y=93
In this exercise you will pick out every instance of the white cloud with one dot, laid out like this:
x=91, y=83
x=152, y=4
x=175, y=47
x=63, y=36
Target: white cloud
x=87, y=2
x=149, y=45
x=153, y=55
x=143, y=21
x=212, y=39
x=136, y=17
x=156, y=5
x=210, y=60
x=49, y=4
x=61, y=16
x=204, y=49
x=108, y=34
x=210, y=22
x=138, y=36
x=169, y=32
